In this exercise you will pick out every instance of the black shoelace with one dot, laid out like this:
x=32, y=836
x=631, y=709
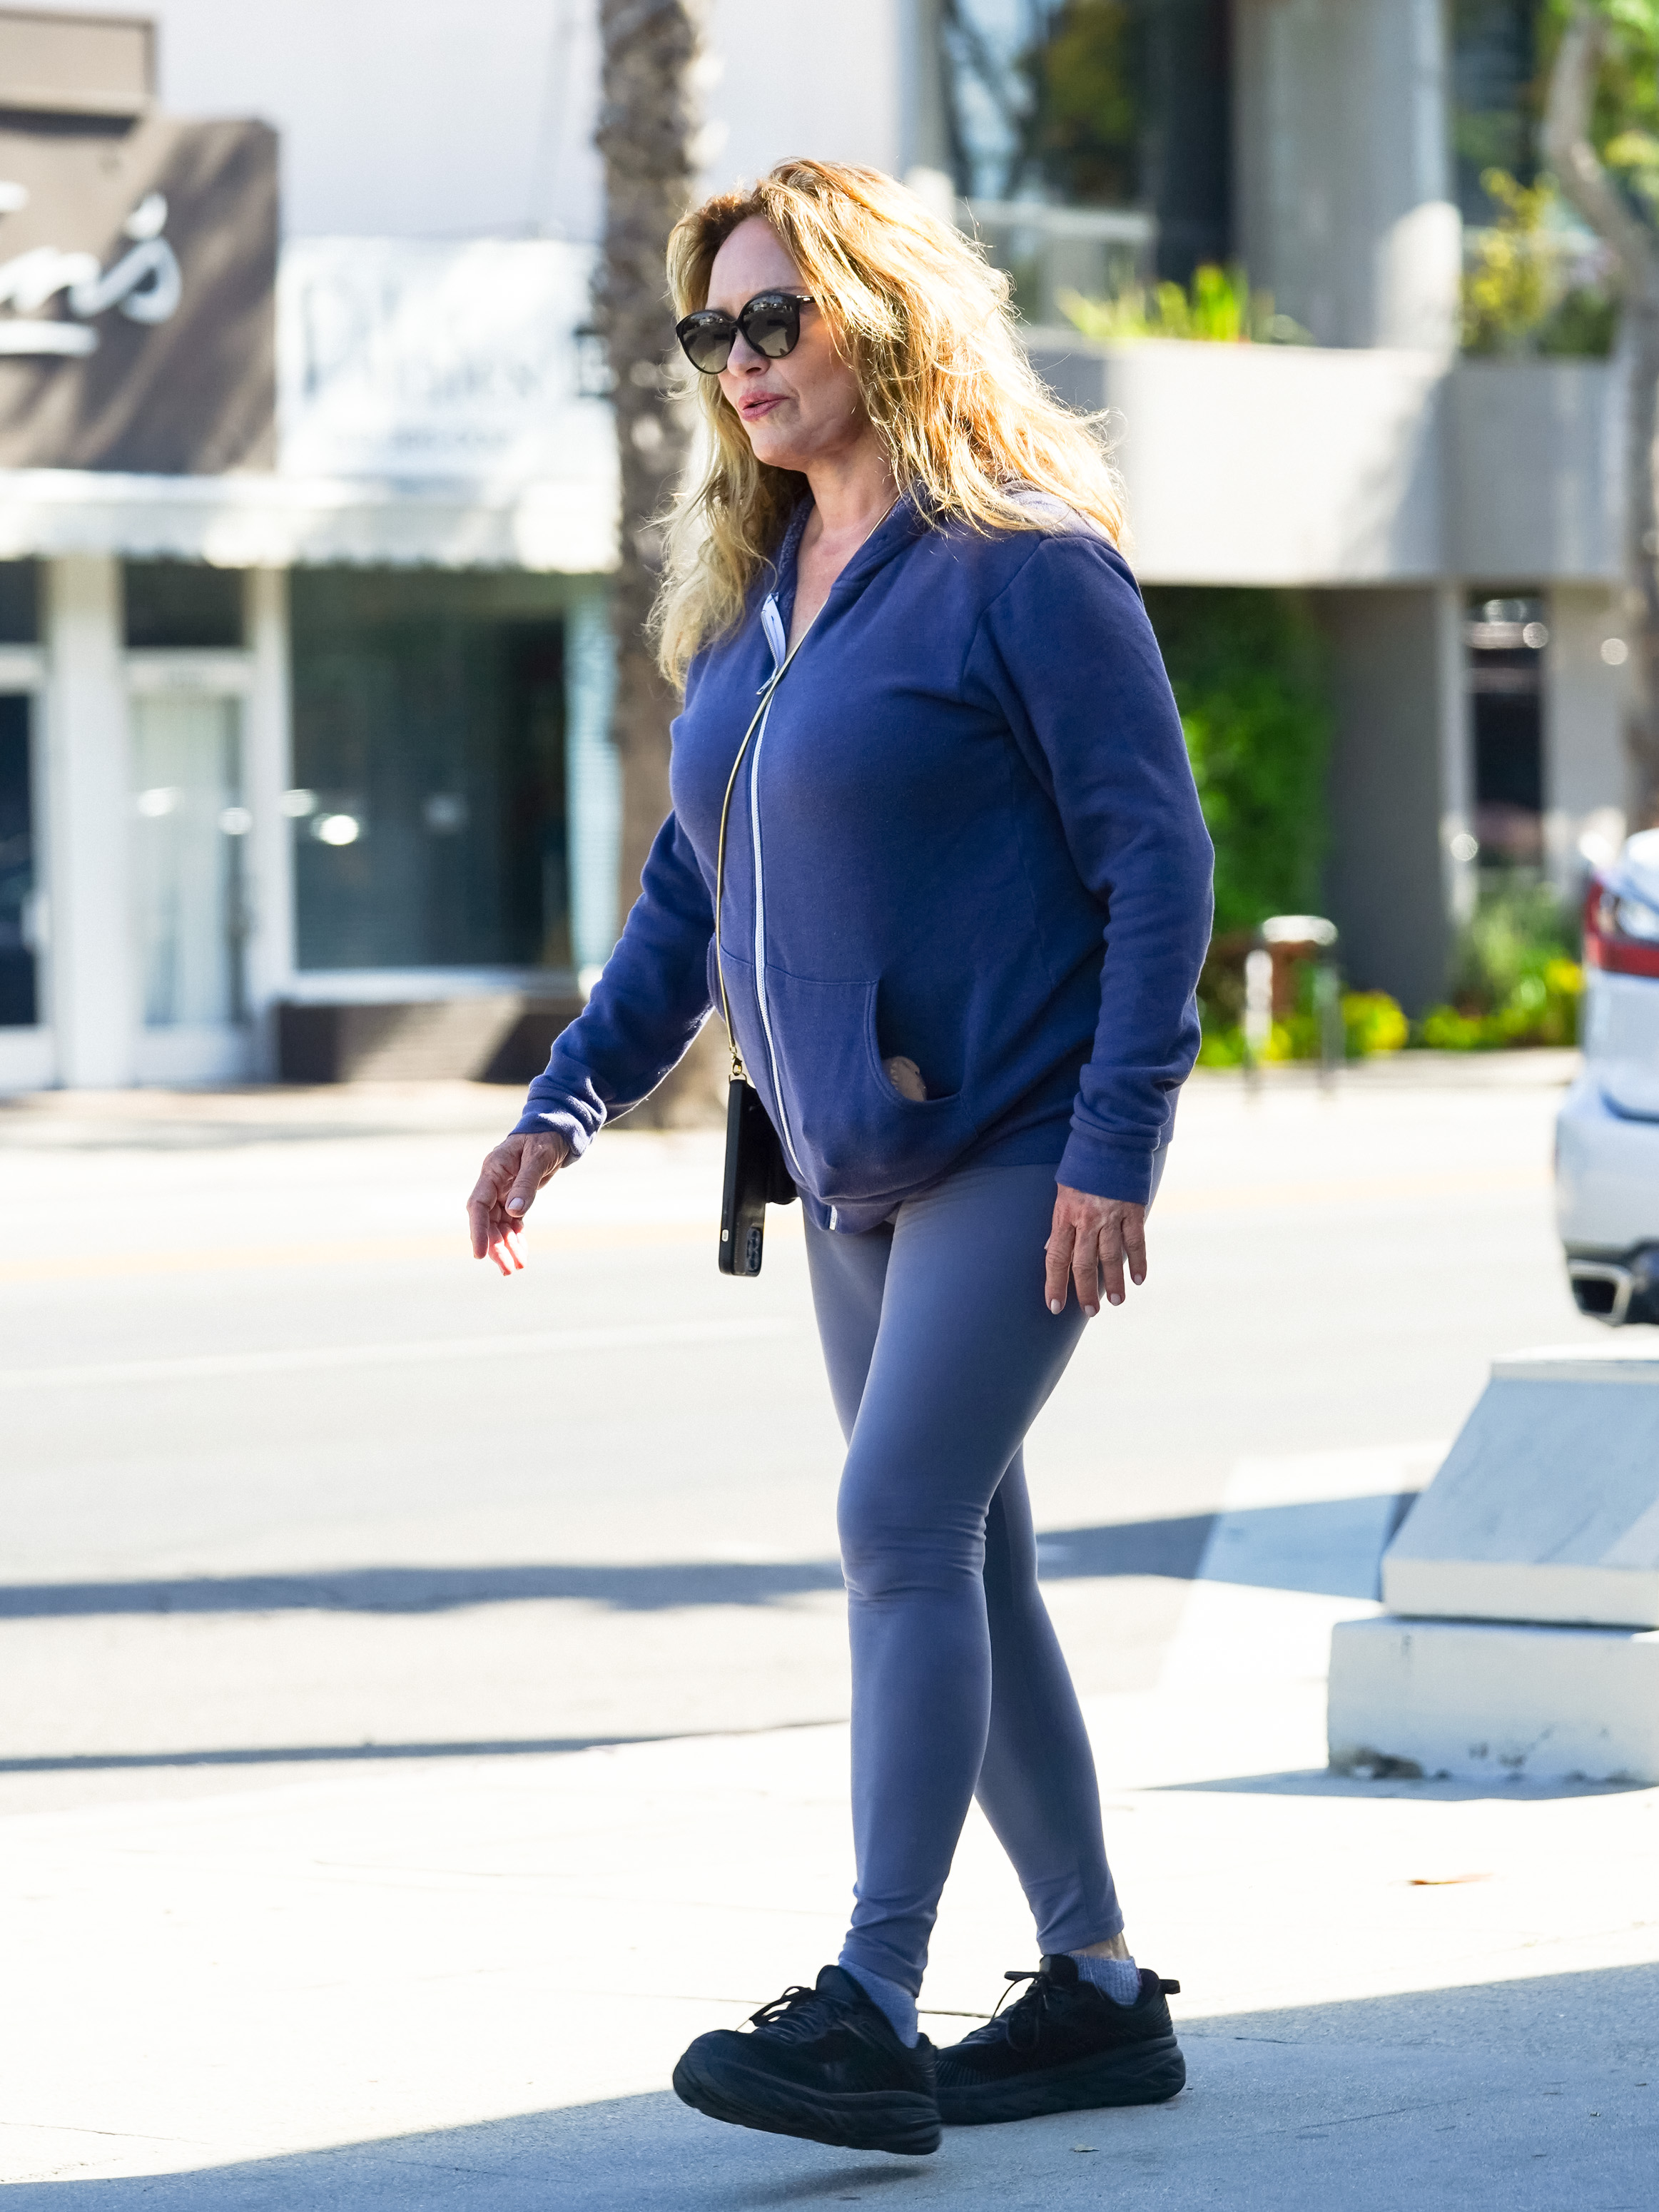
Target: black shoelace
x=800, y=2015
x=1024, y=2023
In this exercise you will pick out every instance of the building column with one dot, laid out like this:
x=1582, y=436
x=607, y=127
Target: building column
x=268, y=737
x=1342, y=126
x=1459, y=874
x=925, y=140
x=1587, y=770
x=1388, y=893
x=592, y=779
x=94, y=981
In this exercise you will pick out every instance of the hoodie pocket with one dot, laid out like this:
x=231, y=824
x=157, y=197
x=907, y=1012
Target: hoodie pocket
x=854, y=1136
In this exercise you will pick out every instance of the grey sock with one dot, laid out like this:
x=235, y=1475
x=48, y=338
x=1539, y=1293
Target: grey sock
x=1120, y=1978
x=898, y=2004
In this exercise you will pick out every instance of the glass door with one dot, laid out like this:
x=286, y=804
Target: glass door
x=191, y=830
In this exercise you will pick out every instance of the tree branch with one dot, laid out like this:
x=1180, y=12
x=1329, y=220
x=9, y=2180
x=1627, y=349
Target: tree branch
x=1578, y=171
x=1586, y=185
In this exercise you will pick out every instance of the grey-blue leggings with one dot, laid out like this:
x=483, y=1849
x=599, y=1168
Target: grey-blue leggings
x=941, y=1351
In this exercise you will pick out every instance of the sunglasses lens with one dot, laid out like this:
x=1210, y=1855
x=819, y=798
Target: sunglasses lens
x=772, y=324
x=705, y=339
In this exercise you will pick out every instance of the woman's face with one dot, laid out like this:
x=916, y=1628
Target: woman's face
x=801, y=410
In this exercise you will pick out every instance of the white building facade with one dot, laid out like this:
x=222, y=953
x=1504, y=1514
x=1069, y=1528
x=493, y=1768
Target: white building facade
x=304, y=666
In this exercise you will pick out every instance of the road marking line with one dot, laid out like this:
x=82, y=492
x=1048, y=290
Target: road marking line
x=412, y=1352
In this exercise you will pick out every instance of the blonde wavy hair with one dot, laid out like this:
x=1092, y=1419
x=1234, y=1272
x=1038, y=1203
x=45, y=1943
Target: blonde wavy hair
x=925, y=323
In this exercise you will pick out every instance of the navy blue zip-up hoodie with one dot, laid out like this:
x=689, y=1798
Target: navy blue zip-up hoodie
x=966, y=831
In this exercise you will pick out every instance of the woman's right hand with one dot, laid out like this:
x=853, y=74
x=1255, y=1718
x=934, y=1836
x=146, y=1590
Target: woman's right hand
x=505, y=1191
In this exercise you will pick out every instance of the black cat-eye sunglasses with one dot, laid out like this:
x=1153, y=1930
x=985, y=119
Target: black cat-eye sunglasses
x=770, y=322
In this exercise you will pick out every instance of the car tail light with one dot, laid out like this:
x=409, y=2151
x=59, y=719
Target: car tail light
x=1621, y=933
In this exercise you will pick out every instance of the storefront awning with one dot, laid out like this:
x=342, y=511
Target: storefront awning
x=246, y=521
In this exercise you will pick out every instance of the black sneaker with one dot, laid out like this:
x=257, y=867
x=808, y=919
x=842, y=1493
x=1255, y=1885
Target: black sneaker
x=824, y=2063
x=1065, y=2047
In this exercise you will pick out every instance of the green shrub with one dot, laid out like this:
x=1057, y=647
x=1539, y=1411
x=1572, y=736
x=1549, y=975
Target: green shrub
x=1373, y=1023
x=1250, y=673
x=1520, y=293
x=1222, y=1046
x=1540, y=1010
x=1220, y=308
x=1514, y=979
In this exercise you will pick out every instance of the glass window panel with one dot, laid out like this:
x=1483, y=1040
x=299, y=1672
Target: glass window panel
x=20, y=619
x=1497, y=96
x=1096, y=103
x=183, y=604
x=189, y=825
x=1507, y=639
x=428, y=804
x=17, y=904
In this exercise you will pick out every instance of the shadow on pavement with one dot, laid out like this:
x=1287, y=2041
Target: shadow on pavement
x=1528, y=2096
x=1303, y=1548
x=305, y=1754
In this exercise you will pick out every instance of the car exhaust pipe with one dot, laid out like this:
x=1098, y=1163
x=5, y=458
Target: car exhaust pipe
x=1602, y=1290
x=1616, y=1292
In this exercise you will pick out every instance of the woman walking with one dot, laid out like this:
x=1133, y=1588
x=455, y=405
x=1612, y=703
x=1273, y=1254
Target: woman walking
x=935, y=844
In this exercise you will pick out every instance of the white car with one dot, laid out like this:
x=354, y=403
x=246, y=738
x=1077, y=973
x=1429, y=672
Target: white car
x=1606, y=1137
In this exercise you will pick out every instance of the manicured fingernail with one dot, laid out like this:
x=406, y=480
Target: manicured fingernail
x=1054, y=1306
x=1114, y=1297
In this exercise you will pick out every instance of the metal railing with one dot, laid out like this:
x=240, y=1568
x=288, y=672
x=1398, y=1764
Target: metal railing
x=1098, y=252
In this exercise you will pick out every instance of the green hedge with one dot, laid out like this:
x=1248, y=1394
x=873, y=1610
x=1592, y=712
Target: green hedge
x=1250, y=673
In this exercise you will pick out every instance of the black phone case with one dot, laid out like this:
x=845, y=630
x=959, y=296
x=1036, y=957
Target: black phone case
x=755, y=1176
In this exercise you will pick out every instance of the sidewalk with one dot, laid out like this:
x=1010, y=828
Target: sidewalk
x=462, y=1984
x=263, y=1113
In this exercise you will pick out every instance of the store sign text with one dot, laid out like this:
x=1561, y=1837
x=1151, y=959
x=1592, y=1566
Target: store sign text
x=144, y=284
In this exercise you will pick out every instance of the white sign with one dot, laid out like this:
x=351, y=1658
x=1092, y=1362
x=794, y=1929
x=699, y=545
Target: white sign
x=406, y=361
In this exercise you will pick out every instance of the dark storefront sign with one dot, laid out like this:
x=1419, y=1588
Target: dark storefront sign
x=137, y=292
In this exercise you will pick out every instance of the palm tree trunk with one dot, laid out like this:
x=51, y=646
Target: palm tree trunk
x=647, y=135
x=1585, y=184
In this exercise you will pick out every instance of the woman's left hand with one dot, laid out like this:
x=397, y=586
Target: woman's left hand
x=1093, y=1237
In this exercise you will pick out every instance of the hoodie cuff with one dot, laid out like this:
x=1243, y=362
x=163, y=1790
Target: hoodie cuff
x=555, y=1123
x=1106, y=1169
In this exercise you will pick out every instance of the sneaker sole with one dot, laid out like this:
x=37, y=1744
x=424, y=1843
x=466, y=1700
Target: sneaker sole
x=1144, y=2074
x=901, y=2121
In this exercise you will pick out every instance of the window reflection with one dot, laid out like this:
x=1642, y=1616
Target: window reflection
x=1122, y=104
x=428, y=797
x=190, y=826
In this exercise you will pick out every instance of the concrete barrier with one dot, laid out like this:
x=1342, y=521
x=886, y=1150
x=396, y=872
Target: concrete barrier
x=1546, y=1507
x=1494, y=1698
x=1522, y=1589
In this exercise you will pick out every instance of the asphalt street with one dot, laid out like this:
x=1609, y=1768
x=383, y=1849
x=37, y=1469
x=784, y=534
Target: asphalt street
x=421, y=1696
x=290, y=1478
